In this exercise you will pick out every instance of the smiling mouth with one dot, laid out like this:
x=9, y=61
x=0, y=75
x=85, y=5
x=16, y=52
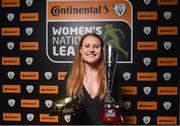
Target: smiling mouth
x=91, y=54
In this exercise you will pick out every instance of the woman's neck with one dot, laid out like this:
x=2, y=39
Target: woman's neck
x=90, y=68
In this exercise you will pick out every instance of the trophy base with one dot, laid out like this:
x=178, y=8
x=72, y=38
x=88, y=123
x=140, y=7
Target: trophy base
x=69, y=111
x=110, y=115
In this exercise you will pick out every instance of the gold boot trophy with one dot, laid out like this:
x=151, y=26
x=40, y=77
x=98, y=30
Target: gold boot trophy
x=110, y=113
x=67, y=105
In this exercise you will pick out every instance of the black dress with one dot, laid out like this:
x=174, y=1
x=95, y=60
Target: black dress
x=89, y=109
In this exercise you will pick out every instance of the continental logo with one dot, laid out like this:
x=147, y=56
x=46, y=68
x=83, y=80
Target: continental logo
x=146, y=105
x=167, y=61
x=47, y=118
x=86, y=10
x=12, y=117
x=129, y=90
x=166, y=120
x=29, y=16
x=44, y=89
x=29, y=46
x=11, y=88
x=26, y=75
x=146, y=76
x=29, y=103
x=130, y=119
x=61, y=75
x=142, y=45
x=167, y=91
x=10, y=60
x=11, y=31
x=10, y=3
x=167, y=2
x=167, y=30
x=150, y=15
x=59, y=10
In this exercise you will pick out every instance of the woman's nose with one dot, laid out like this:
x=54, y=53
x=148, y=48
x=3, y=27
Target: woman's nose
x=91, y=49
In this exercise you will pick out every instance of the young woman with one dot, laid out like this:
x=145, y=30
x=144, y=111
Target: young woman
x=87, y=80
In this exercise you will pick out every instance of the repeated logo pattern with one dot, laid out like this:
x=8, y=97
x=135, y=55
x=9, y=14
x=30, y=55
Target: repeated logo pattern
x=30, y=82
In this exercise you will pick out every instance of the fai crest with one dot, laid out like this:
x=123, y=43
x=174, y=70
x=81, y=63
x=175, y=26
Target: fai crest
x=120, y=9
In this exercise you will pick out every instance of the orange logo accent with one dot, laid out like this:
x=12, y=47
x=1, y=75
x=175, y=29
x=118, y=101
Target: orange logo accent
x=44, y=89
x=150, y=15
x=166, y=120
x=10, y=60
x=146, y=105
x=167, y=30
x=29, y=103
x=27, y=75
x=130, y=119
x=129, y=90
x=10, y=3
x=29, y=46
x=11, y=116
x=167, y=91
x=167, y=61
x=11, y=88
x=47, y=118
x=29, y=16
x=167, y=2
x=11, y=31
x=61, y=75
x=79, y=10
x=146, y=76
x=146, y=45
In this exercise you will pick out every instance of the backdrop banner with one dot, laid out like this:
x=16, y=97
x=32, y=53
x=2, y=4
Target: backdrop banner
x=38, y=43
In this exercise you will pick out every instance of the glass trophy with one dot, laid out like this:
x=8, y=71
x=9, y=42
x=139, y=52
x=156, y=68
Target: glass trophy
x=110, y=113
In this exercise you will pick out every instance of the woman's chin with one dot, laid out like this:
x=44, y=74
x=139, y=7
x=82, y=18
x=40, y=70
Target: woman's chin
x=91, y=62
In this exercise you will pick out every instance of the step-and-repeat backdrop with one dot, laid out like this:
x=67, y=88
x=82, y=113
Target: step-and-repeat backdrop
x=37, y=45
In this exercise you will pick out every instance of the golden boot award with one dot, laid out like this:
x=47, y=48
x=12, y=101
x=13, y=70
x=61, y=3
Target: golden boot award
x=110, y=113
x=67, y=105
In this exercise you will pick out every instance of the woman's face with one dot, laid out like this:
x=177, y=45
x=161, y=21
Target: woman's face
x=91, y=50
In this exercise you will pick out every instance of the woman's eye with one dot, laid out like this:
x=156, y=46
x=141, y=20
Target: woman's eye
x=97, y=46
x=86, y=46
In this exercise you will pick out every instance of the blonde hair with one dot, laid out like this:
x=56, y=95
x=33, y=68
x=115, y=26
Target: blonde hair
x=76, y=75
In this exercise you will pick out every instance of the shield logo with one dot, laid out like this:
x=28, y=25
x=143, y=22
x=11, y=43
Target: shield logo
x=30, y=117
x=29, y=88
x=29, y=30
x=10, y=16
x=147, y=30
x=11, y=102
x=67, y=118
x=167, y=105
x=48, y=75
x=29, y=60
x=146, y=119
x=167, y=15
x=147, y=90
x=147, y=61
x=48, y=103
x=167, y=76
x=10, y=74
x=120, y=9
x=127, y=104
x=29, y=2
x=167, y=45
x=147, y=2
x=126, y=75
x=10, y=45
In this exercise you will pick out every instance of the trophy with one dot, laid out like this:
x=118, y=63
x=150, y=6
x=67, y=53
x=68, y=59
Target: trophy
x=67, y=105
x=110, y=113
